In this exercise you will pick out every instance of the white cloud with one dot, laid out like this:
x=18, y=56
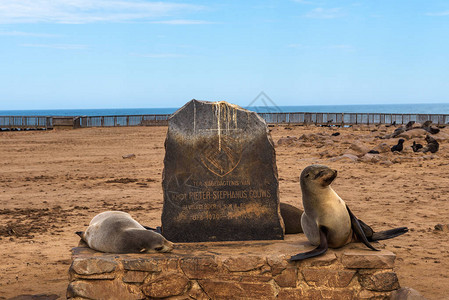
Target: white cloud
x=324, y=13
x=438, y=14
x=57, y=46
x=87, y=11
x=182, y=22
x=31, y=34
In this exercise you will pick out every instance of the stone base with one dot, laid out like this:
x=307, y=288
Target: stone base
x=234, y=270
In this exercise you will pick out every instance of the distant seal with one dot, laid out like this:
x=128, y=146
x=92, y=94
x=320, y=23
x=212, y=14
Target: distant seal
x=292, y=218
x=118, y=232
x=432, y=145
x=416, y=146
x=327, y=221
x=399, y=147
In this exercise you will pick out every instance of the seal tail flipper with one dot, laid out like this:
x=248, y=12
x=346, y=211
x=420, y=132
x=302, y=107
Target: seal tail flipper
x=358, y=230
x=321, y=249
x=158, y=229
x=80, y=234
x=381, y=235
x=369, y=232
x=388, y=234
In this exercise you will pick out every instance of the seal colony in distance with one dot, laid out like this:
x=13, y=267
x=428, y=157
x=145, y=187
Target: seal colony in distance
x=327, y=221
x=118, y=232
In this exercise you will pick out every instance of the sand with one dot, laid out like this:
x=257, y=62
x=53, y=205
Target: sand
x=53, y=182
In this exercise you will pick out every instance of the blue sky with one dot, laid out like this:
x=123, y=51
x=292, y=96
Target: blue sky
x=62, y=54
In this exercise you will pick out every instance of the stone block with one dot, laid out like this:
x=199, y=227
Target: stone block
x=327, y=259
x=277, y=264
x=197, y=293
x=199, y=267
x=290, y=294
x=169, y=284
x=243, y=263
x=315, y=294
x=359, y=259
x=379, y=281
x=90, y=266
x=370, y=295
x=103, y=289
x=287, y=278
x=225, y=290
x=134, y=276
x=328, y=277
x=141, y=264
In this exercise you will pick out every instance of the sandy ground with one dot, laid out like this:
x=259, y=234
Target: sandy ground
x=53, y=182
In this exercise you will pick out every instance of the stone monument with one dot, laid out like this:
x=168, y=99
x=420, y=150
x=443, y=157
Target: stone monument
x=220, y=178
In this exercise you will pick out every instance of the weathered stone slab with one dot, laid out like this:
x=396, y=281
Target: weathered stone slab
x=103, y=289
x=220, y=178
x=90, y=266
x=171, y=284
x=329, y=278
x=368, y=259
x=380, y=282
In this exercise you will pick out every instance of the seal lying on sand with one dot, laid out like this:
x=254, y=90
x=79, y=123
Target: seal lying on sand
x=118, y=232
x=432, y=145
x=327, y=221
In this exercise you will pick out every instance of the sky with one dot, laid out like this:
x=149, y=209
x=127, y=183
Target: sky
x=75, y=54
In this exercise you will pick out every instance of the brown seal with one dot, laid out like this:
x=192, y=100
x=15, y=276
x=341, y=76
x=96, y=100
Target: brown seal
x=327, y=221
x=118, y=232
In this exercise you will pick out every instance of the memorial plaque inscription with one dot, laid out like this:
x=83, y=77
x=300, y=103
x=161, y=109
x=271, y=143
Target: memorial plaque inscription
x=220, y=177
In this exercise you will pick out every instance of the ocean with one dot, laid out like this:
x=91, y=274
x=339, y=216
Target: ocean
x=439, y=108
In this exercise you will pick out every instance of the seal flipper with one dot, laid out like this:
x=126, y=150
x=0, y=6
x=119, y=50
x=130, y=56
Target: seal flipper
x=388, y=234
x=321, y=249
x=158, y=229
x=381, y=235
x=81, y=235
x=358, y=230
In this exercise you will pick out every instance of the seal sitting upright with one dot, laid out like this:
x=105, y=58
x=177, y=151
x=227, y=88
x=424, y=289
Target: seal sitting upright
x=327, y=221
x=118, y=232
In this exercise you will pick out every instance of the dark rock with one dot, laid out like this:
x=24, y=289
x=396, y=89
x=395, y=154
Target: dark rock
x=220, y=178
x=442, y=227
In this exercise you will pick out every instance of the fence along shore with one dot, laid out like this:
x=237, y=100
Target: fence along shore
x=280, y=118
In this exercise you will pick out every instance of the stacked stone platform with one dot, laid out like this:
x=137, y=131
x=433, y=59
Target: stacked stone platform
x=234, y=270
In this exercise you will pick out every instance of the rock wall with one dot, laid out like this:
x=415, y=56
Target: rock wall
x=234, y=270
